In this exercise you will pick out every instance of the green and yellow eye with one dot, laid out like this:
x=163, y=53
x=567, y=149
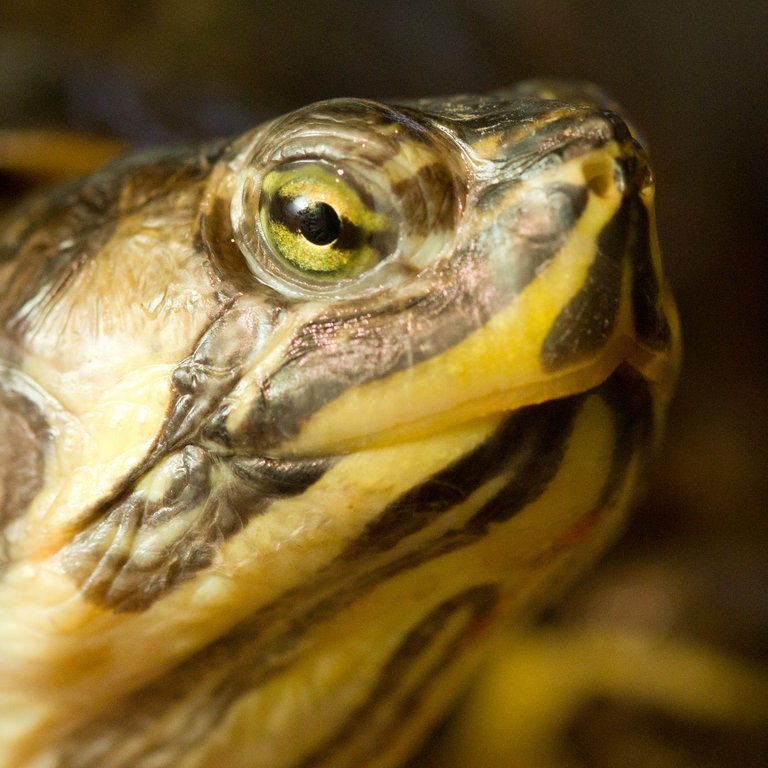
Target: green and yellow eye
x=318, y=221
x=323, y=207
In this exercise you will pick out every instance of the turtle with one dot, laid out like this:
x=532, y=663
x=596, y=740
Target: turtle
x=292, y=422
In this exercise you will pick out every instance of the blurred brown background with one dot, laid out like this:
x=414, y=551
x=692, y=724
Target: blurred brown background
x=695, y=77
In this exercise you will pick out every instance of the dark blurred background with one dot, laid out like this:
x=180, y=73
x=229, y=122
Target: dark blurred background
x=695, y=77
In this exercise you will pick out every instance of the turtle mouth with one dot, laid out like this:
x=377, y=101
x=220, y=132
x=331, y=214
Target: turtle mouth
x=324, y=435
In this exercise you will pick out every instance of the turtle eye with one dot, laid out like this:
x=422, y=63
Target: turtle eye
x=343, y=199
x=315, y=226
x=319, y=221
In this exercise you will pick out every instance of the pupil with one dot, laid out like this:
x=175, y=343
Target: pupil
x=319, y=223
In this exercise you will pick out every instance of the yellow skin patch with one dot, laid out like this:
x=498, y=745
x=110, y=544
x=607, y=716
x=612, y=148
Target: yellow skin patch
x=531, y=687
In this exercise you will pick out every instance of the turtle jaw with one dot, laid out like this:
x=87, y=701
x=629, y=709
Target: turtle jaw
x=325, y=434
